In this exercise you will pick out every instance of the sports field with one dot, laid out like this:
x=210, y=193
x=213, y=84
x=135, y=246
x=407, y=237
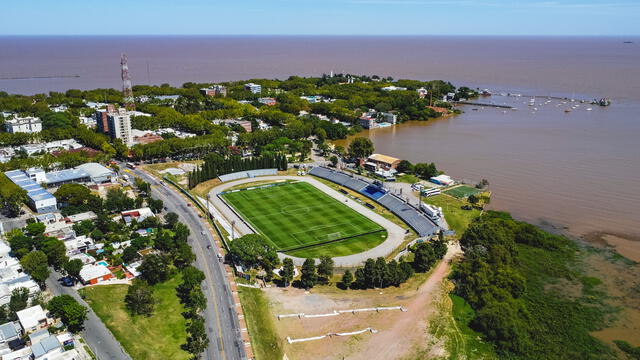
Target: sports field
x=298, y=218
x=462, y=191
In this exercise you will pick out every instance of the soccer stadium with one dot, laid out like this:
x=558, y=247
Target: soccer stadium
x=301, y=220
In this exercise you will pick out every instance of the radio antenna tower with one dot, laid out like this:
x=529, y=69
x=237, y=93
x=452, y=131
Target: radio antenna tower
x=127, y=92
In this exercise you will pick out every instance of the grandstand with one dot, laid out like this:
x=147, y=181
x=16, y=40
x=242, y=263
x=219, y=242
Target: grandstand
x=247, y=174
x=410, y=215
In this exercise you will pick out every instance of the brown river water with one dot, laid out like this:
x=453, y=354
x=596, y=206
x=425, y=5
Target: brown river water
x=578, y=170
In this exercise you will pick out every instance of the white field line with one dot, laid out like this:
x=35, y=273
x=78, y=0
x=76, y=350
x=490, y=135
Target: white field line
x=329, y=335
x=339, y=312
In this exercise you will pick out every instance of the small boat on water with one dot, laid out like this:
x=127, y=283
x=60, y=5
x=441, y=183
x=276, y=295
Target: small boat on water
x=567, y=110
x=602, y=102
x=589, y=109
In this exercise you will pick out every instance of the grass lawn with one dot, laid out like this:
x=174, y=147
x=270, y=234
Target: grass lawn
x=144, y=338
x=264, y=339
x=298, y=214
x=342, y=248
x=462, y=191
x=457, y=218
x=407, y=178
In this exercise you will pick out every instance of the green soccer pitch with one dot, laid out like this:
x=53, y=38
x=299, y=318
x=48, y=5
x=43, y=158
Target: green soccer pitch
x=303, y=221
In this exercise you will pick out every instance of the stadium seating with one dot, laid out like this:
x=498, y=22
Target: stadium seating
x=413, y=217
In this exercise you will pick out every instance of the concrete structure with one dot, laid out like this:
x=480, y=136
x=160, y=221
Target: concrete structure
x=269, y=101
x=382, y=162
x=136, y=214
x=94, y=273
x=442, y=180
x=120, y=126
x=102, y=121
x=422, y=93
x=28, y=125
x=98, y=173
x=254, y=88
x=39, y=199
x=10, y=336
x=393, y=88
x=49, y=147
x=215, y=90
x=33, y=319
x=46, y=348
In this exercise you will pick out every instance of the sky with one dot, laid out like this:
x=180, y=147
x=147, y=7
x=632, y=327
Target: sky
x=320, y=17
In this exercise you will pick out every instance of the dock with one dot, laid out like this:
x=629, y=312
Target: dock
x=483, y=104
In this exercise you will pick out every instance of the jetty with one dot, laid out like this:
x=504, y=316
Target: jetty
x=482, y=104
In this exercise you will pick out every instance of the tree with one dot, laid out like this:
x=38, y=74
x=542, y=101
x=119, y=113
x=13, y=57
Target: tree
x=35, y=229
x=473, y=199
x=287, y=271
x=334, y=160
x=56, y=252
x=154, y=269
x=130, y=254
x=69, y=311
x=56, y=120
x=197, y=340
x=155, y=205
x=171, y=219
x=35, y=264
x=73, y=267
x=308, y=277
x=325, y=268
x=423, y=258
x=252, y=251
x=347, y=279
x=118, y=201
x=139, y=299
x=19, y=301
x=405, y=166
x=143, y=186
x=182, y=255
x=361, y=148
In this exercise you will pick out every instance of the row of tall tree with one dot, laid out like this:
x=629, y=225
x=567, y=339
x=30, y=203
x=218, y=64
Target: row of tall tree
x=215, y=165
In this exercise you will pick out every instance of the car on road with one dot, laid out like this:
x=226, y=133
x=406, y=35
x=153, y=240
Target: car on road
x=67, y=281
x=209, y=247
x=189, y=204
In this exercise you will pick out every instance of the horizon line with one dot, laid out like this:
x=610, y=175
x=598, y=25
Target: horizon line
x=328, y=35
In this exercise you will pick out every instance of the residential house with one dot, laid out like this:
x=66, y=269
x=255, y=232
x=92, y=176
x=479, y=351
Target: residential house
x=254, y=88
x=29, y=125
x=33, y=319
x=136, y=214
x=95, y=273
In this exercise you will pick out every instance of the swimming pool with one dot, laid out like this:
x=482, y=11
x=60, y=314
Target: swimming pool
x=102, y=262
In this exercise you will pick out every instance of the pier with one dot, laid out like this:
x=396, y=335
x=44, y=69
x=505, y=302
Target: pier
x=483, y=104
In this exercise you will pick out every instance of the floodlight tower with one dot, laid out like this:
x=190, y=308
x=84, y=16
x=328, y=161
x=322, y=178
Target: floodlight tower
x=127, y=92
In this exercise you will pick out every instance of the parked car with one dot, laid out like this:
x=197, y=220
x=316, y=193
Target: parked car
x=67, y=281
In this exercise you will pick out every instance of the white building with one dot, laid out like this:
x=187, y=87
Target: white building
x=33, y=319
x=23, y=125
x=120, y=126
x=254, y=88
x=393, y=88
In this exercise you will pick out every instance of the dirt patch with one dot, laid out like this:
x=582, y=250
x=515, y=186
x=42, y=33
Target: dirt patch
x=626, y=245
x=399, y=333
x=622, y=282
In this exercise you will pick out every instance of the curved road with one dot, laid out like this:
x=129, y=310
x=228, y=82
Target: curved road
x=221, y=319
x=395, y=233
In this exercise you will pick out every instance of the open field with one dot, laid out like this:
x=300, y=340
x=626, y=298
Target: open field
x=144, y=338
x=462, y=191
x=296, y=215
x=457, y=218
x=266, y=342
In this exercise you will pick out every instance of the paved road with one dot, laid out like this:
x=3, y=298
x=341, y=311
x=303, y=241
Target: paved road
x=95, y=333
x=220, y=316
x=396, y=233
